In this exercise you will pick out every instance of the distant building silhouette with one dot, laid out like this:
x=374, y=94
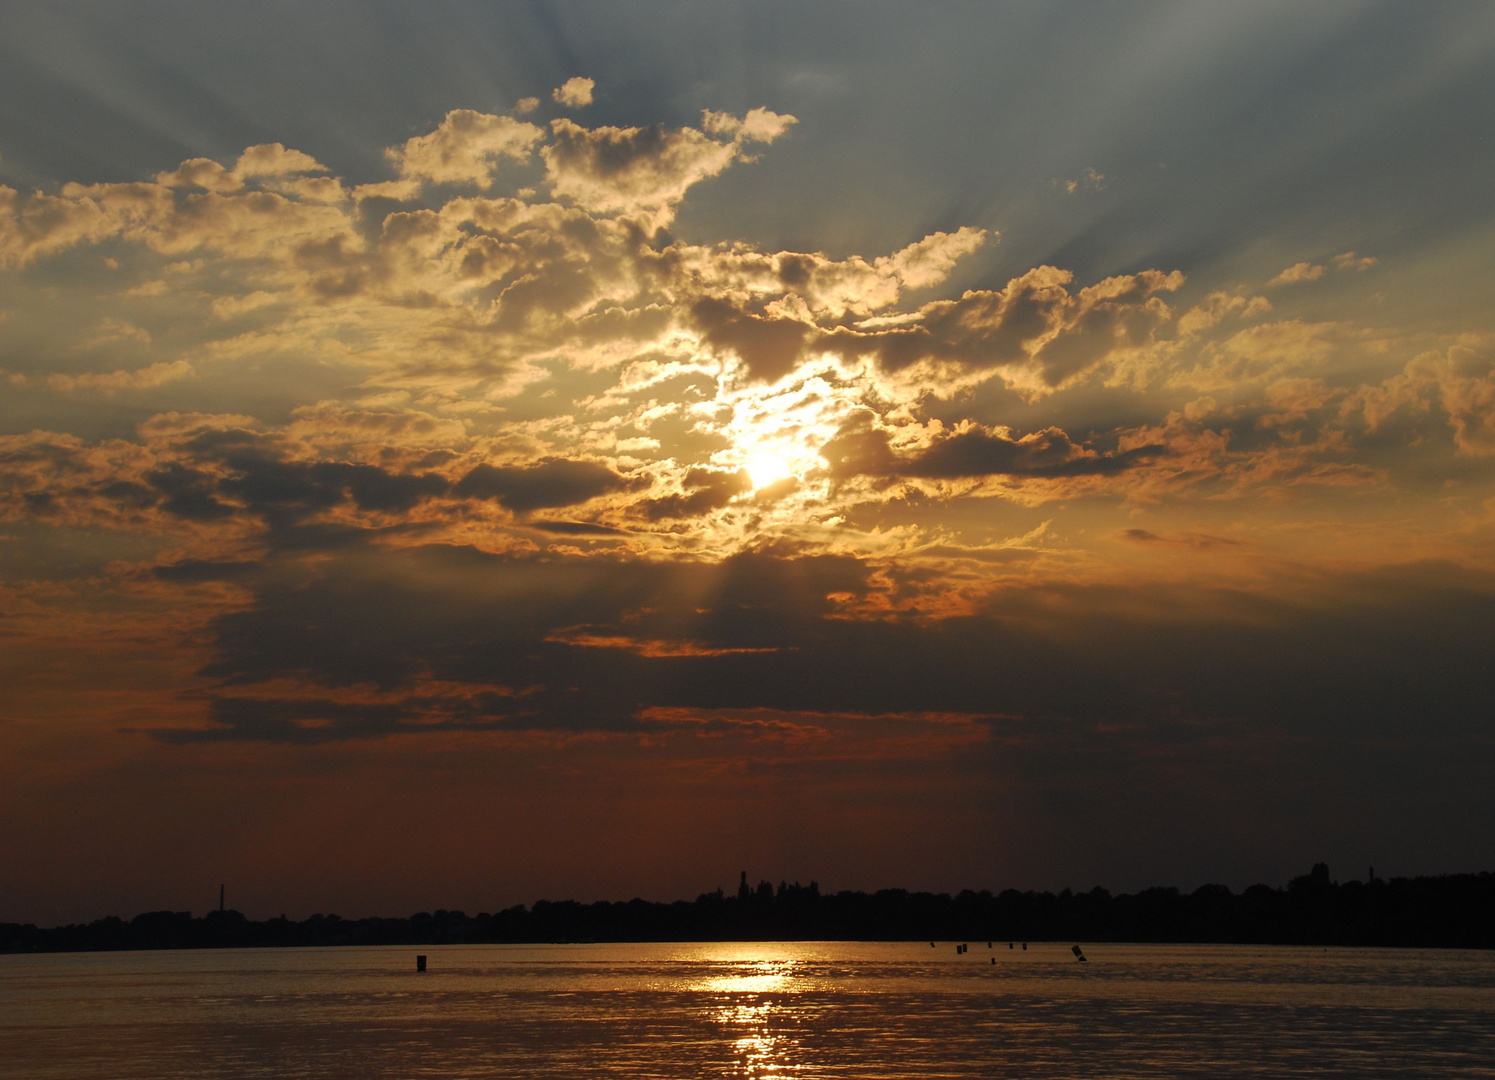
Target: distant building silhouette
x=1451, y=911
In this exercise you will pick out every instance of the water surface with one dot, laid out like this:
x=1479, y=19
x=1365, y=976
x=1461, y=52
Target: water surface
x=796, y=1009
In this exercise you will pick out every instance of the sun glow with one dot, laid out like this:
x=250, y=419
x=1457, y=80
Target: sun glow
x=766, y=467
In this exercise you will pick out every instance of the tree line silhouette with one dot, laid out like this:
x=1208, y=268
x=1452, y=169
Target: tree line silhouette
x=1450, y=911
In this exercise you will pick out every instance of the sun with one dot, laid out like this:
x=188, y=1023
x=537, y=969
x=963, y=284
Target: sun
x=765, y=467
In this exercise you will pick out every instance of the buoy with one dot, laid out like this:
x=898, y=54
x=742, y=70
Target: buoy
x=420, y=962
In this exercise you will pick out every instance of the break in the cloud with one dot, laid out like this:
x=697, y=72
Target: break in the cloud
x=478, y=450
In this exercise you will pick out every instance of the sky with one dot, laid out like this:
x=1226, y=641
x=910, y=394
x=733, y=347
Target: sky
x=453, y=454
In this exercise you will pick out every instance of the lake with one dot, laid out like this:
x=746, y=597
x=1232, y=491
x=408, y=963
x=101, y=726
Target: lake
x=792, y=1009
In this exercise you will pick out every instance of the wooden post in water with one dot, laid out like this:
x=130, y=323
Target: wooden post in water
x=420, y=962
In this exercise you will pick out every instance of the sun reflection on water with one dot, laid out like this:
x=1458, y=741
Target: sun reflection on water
x=760, y=977
x=753, y=1021
x=760, y=1048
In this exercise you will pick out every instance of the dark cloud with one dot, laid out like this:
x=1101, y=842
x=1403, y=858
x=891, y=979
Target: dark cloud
x=608, y=152
x=497, y=622
x=977, y=452
x=549, y=483
x=1394, y=654
x=279, y=491
x=860, y=448
x=315, y=720
x=283, y=492
x=705, y=490
x=189, y=493
x=129, y=493
x=189, y=571
x=374, y=489
x=769, y=347
x=1036, y=322
x=575, y=528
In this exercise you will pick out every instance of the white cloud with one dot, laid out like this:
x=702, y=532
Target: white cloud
x=575, y=91
x=112, y=381
x=273, y=159
x=1350, y=261
x=1296, y=273
x=465, y=148
x=1088, y=180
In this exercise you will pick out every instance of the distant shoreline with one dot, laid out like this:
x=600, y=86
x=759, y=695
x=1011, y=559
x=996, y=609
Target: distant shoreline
x=1447, y=911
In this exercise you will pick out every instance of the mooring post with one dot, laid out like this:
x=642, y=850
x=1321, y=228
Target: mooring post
x=420, y=962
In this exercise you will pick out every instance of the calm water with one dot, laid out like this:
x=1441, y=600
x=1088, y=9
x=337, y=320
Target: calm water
x=749, y=1010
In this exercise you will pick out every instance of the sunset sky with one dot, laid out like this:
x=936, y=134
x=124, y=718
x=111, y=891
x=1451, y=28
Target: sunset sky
x=458, y=453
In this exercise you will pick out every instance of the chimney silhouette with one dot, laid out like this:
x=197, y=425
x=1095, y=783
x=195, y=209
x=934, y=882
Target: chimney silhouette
x=220, y=898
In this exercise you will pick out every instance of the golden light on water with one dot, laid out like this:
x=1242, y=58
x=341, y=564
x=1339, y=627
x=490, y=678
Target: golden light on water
x=751, y=1023
x=761, y=1051
x=754, y=978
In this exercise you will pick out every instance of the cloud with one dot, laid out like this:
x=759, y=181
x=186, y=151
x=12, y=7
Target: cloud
x=575, y=528
x=454, y=637
x=757, y=125
x=809, y=285
x=863, y=448
x=114, y=381
x=273, y=159
x=1088, y=180
x=642, y=169
x=1035, y=331
x=704, y=490
x=927, y=262
x=769, y=347
x=1350, y=261
x=973, y=451
x=1459, y=382
x=1296, y=273
x=44, y=224
x=1215, y=307
x=575, y=92
x=201, y=173
x=491, y=352
x=465, y=148
x=548, y=483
